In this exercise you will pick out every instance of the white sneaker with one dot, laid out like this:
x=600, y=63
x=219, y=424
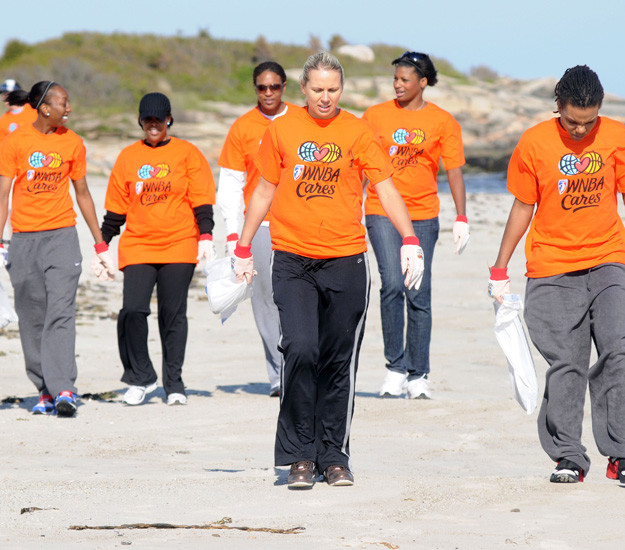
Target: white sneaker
x=176, y=399
x=136, y=394
x=394, y=383
x=419, y=388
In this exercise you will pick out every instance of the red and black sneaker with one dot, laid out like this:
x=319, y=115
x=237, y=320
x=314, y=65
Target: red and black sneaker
x=567, y=472
x=616, y=469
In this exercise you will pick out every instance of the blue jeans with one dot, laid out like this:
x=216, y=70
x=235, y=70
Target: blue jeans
x=412, y=353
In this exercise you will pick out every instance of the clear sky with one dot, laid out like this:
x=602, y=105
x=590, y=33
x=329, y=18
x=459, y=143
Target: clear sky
x=530, y=39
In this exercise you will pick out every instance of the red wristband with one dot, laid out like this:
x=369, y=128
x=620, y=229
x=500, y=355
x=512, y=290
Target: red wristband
x=410, y=240
x=498, y=273
x=206, y=237
x=460, y=218
x=101, y=247
x=243, y=251
x=232, y=237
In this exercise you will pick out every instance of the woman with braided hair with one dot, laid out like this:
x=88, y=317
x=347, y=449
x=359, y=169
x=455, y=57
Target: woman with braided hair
x=565, y=174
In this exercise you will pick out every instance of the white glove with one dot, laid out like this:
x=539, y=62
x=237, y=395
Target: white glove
x=243, y=264
x=499, y=283
x=3, y=255
x=206, y=248
x=412, y=263
x=231, y=243
x=460, y=230
x=102, y=263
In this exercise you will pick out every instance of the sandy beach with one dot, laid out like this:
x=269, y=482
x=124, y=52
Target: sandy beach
x=461, y=471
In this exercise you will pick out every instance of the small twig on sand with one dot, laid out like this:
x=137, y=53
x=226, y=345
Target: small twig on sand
x=222, y=524
x=34, y=509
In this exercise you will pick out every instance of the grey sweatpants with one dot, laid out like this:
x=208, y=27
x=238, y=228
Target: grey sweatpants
x=265, y=310
x=44, y=267
x=564, y=315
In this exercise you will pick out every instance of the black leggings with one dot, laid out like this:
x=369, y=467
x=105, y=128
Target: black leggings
x=172, y=287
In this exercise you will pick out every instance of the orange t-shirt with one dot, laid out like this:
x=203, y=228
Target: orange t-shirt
x=241, y=147
x=9, y=121
x=42, y=165
x=316, y=165
x=415, y=141
x=156, y=188
x=573, y=184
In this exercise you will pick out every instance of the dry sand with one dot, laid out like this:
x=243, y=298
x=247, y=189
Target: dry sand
x=463, y=470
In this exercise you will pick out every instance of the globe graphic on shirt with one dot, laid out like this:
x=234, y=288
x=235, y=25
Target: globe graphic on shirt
x=567, y=165
x=399, y=136
x=145, y=172
x=595, y=164
x=307, y=150
x=36, y=159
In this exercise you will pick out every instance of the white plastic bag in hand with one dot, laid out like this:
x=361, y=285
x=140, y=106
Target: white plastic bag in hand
x=222, y=289
x=511, y=337
x=7, y=313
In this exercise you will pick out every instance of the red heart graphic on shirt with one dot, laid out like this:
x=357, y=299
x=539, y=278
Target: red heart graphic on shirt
x=154, y=172
x=410, y=136
x=47, y=160
x=321, y=153
x=581, y=165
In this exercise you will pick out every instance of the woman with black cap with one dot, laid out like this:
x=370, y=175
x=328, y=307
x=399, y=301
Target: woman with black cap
x=162, y=188
x=44, y=258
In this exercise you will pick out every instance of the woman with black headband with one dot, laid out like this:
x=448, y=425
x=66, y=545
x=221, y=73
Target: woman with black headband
x=416, y=135
x=44, y=260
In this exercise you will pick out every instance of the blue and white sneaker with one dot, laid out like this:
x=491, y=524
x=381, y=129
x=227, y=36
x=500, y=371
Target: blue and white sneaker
x=65, y=403
x=45, y=405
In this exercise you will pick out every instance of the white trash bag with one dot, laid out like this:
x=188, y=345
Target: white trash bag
x=511, y=337
x=222, y=289
x=7, y=313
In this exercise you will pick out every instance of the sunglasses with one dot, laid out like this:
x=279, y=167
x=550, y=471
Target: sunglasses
x=411, y=57
x=265, y=87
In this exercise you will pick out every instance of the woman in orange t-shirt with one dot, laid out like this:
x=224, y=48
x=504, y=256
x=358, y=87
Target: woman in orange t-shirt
x=39, y=160
x=565, y=174
x=162, y=188
x=238, y=177
x=416, y=135
x=310, y=164
x=20, y=113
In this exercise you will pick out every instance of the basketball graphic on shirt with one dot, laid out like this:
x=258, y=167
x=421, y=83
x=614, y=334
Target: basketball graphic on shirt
x=595, y=162
x=145, y=172
x=53, y=160
x=36, y=159
x=329, y=152
x=416, y=136
x=306, y=151
x=163, y=170
x=567, y=165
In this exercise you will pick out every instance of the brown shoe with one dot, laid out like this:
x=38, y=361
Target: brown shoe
x=301, y=475
x=338, y=476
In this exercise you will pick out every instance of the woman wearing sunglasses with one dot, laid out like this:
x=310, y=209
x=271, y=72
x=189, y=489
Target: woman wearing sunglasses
x=238, y=177
x=416, y=134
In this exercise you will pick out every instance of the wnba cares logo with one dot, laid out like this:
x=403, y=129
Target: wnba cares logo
x=40, y=160
x=148, y=171
x=587, y=163
x=408, y=137
x=309, y=151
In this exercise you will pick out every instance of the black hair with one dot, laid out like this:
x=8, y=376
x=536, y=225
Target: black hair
x=579, y=87
x=269, y=66
x=18, y=98
x=421, y=64
x=39, y=91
